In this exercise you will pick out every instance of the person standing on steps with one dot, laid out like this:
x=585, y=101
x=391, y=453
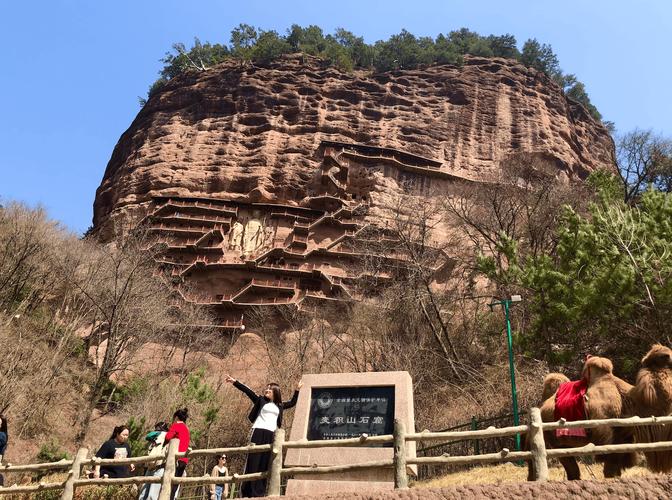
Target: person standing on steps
x=116, y=447
x=3, y=443
x=179, y=430
x=266, y=418
x=219, y=491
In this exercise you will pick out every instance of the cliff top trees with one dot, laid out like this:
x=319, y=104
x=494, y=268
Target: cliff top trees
x=540, y=57
x=346, y=51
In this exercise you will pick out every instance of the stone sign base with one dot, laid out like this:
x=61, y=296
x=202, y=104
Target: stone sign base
x=326, y=402
x=338, y=484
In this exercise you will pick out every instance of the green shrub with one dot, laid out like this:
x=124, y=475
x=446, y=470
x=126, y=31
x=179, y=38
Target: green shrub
x=136, y=436
x=52, y=452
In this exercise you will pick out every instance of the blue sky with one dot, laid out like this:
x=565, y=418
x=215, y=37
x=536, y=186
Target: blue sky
x=72, y=70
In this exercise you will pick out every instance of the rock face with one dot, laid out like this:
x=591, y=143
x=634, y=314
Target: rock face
x=264, y=181
x=252, y=133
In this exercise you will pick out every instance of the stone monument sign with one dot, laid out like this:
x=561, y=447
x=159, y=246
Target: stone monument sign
x=346, y=405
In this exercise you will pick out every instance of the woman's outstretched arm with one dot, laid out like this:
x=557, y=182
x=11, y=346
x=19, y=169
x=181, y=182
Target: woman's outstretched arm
x=243, y=388
x=295, y=397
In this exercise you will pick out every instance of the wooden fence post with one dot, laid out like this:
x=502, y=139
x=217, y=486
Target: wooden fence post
x=274, y=479
x=73, y=475
x=169, y=471
x=400, y=477
x=538, y=446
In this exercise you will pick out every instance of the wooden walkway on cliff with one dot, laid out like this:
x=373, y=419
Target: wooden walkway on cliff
x=197, y=228
x=402, y=160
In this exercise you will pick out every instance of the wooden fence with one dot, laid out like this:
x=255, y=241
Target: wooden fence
x=467, y=446
x=537, y=454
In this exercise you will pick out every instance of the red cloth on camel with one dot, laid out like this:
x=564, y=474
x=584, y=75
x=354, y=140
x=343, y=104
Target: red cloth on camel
x=570, y=405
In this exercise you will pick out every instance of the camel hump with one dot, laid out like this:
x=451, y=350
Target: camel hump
x=551, y=383
x=658, y=357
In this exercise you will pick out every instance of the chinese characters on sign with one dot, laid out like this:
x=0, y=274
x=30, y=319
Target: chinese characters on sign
x=345, y=412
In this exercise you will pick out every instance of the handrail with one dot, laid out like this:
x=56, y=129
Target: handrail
x=592, y=449
x=503, y=456
x=61, y=464
x=198, y=204
x=331, y=443
x=206, y=218
x=484, y=433
x=611, y=422
x=535, y=430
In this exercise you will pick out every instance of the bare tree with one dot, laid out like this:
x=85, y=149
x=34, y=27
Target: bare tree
x=42, y=316
x=521, y=205
x=304, y=340
x=188, y=337
x=25, y=244
x=130, y=306
x=77, y=319
x=413, y=228
x=418, y=310
x=644, y=160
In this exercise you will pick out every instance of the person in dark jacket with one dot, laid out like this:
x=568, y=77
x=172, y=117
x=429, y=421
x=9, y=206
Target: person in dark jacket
x=3, y=443
x=115, y=447
x=266, y=417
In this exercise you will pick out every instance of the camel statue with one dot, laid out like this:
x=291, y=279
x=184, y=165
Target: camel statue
x=652, y=396
x=599, y=394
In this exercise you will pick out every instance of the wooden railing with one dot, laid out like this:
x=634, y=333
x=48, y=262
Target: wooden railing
x=537, y=454
x=467, y=446
x=201, y=204
x=299, y=238
x=188, y=229
x=196, y=217
x=274, y=283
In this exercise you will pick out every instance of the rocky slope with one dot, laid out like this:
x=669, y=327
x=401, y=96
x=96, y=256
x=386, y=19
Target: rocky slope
x=251, y=133
x=280, y=185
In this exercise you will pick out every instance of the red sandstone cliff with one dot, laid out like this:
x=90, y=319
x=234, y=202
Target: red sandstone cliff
x=270, y=186
x=252, y=133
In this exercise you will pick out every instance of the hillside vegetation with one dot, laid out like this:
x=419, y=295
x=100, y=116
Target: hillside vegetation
x=347, y=51
x=91, y=337
x=92, y=334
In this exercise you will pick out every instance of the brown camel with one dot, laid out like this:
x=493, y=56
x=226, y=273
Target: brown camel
x=551, y=383
x=652, y=396
x=606, y=397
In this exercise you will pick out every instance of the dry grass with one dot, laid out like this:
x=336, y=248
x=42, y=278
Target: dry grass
x=510, y=473
x=129, y=492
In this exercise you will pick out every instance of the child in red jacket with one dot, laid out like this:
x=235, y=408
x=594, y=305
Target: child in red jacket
x=179, y=430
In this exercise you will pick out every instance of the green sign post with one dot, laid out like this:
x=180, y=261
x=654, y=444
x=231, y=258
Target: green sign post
x=506, y=304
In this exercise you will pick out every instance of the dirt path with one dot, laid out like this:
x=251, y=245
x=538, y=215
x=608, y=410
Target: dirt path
x=650, y=487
